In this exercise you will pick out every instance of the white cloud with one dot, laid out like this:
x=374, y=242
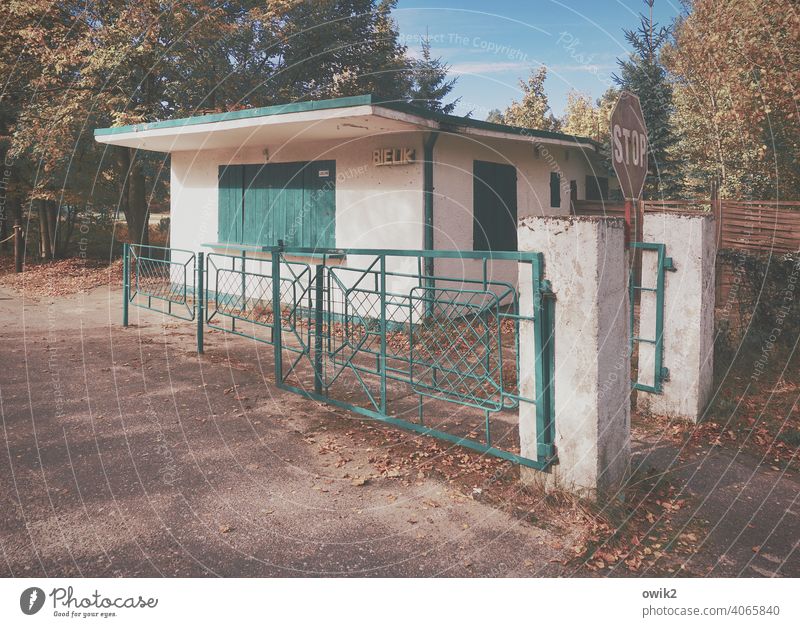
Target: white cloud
x=488, y=67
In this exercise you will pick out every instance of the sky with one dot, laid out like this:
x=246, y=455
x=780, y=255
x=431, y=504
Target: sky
x=491, y=44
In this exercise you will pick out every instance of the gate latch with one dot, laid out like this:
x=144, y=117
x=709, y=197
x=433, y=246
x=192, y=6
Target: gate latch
x=668, y=265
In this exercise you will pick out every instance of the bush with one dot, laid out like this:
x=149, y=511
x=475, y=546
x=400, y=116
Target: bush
x=762, y=304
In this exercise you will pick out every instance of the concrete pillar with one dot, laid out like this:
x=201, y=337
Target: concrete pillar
x=585, y=263
x=688, y=354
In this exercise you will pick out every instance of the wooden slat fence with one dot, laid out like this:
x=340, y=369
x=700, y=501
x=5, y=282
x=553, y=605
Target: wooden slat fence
x=756, y=226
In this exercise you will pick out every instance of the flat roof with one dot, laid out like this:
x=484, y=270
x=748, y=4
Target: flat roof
x=410, y=115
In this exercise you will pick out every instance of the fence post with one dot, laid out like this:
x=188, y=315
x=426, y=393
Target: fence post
x=276, y=316
x=688, y=318
x=244, y=281
x=318, y=295
x=383, y=334
x=126, y=282
x=199, y=300
x=19, y=247
x=543, y=332
x=584, y=259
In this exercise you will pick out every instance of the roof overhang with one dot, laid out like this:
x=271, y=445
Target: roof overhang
x=333, y=120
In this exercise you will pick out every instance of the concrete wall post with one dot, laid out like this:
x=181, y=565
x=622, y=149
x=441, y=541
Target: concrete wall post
x=690, y=240
x=585, y=263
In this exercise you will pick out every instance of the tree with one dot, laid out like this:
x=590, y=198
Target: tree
x=70, y=67
x=429, y=82
x=331, y=48
x=589, y=120
x=495, y=116
x=581, y=117
x=736, y=70
x=644, y=74
x=533, y=111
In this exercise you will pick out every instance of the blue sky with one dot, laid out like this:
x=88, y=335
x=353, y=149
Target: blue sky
x=492, y=44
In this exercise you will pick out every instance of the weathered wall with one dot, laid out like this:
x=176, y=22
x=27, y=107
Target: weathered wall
x=585, y=263
x=376, y=207
x=453, y=191
x=688, y=314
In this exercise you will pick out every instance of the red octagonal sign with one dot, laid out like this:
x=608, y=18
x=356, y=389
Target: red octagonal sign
x=629, y=145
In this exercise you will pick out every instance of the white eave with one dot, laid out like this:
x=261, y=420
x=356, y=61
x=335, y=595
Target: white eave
x=245, y=129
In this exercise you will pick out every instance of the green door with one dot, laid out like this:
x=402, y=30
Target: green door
x=494, y=206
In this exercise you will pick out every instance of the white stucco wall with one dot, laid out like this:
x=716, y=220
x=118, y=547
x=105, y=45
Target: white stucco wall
x=376, y=207
x=585, y=262
x=383, y=206
x=453, y=191
x=690, y=240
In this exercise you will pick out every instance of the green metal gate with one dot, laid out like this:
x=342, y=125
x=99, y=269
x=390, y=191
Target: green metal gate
x=377, y=333
x=638, y=294
x=161, y=279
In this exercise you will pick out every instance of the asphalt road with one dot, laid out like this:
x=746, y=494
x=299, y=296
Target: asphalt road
x=124, y=453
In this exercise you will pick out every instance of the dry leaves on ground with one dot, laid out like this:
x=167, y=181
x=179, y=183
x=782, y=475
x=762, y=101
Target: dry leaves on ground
x=63, y=277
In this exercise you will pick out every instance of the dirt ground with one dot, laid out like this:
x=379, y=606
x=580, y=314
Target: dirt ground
x=127, y=454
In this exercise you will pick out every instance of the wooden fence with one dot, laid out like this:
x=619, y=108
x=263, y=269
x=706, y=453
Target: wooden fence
x=756, y=226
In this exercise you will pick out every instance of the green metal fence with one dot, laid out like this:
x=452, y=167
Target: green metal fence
x=379, y=333
x=167, y=280
x=637, y=290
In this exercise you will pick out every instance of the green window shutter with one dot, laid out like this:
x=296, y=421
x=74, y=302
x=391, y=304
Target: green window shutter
x=292, y=214
x=555, y=189
x=293, y=202
x=229, y=215
x=494, y=206
x=258, y=193
x=319, y=220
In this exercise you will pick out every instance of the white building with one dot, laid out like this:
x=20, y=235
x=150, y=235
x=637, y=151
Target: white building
x=357, y=173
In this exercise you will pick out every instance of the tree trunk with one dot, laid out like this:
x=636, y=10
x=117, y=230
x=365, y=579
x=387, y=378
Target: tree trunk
x=133, y=199
x=138, y=202
x=52, y=224
x=45, y=250
x=68, y=229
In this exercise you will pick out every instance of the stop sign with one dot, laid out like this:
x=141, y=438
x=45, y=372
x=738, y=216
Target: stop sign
x=629, y=146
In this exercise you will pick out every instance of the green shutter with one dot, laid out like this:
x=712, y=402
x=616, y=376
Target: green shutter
x=320, y=197
x=257, y=202
x=555, y=189
x=293, y=202
x=229, y=215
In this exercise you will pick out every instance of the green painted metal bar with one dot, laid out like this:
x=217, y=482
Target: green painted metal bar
x=336, y=253
x=372, y=333
x=244, y=281
x=126, y=282
x=277, y=327
x=383, y=334
x=663, y=264
x=199, y=297
x=318, y=339
x=543, y=348
x=538, y=464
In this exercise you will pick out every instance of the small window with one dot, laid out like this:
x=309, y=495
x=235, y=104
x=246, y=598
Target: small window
x=555, y=189
x=494, y=206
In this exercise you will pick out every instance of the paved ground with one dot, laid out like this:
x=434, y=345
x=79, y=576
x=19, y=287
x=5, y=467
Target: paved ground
x=127, y=454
